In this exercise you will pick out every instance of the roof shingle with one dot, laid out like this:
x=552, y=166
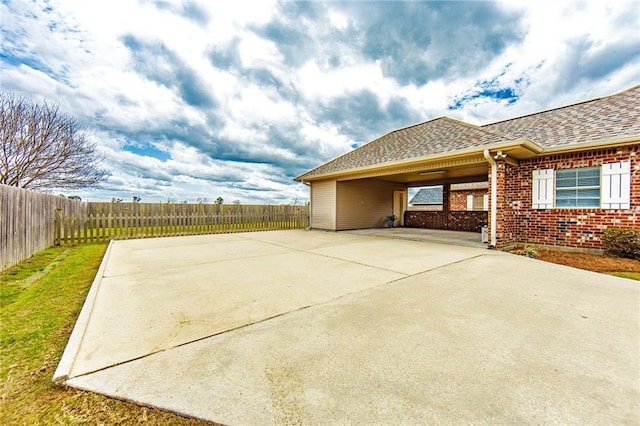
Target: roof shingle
x=598, y=119
x=603, y=118
x=421, y=140
x=432, y=195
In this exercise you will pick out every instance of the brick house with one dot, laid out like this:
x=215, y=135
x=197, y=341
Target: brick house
x=559, y=177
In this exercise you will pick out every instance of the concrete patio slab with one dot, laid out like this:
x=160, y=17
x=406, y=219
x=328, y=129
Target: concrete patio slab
x=317, y=328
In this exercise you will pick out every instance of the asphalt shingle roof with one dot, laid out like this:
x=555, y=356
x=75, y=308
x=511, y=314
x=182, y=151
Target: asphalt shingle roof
x=598, y=119
x=432, y=137
x=431, y=195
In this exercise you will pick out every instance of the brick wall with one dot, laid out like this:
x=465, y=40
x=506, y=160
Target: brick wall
x=458, y=198
x=425, y=219
x=582, y=228
x=470, y=221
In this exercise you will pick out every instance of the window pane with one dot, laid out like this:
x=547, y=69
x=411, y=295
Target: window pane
x=566, y=178
x=478, y=202
x=589, y=177
x=588, y=193
x=571, y=202
x=588, y=202
x=565, y=183
x=573, y=178
x=588, y=172
x=566, y=194
x=570, y=184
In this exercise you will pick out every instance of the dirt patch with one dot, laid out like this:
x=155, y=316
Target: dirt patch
x=590, y=262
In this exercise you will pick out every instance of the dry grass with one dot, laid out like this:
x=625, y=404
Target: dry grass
x=626, y=268
x=590, y=262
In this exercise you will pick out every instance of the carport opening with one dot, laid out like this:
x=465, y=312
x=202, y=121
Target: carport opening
x=452, y=207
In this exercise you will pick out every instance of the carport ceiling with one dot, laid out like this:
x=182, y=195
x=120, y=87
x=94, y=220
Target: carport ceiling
x=468, y=173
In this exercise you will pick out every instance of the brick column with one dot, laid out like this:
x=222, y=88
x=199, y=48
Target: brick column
x=446, y=204
x=506, y=226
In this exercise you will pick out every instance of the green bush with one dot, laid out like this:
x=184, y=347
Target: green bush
x=622, y=242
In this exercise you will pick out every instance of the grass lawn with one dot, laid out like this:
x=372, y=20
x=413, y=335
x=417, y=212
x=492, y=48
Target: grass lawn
x=40, y=300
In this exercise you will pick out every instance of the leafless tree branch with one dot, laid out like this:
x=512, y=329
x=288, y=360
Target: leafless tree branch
x=43, y=148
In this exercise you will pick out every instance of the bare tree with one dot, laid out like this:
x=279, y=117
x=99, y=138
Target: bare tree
x=43, y=148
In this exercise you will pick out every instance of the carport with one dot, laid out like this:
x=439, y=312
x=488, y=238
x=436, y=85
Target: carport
x=360, y=188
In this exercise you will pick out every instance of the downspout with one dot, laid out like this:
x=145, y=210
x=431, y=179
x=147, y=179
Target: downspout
x=494, y=197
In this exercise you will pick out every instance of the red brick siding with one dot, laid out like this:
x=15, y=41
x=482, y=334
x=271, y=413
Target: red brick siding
x=458, y=199
x=425, y=219
x=470, y=221
x=583, y=228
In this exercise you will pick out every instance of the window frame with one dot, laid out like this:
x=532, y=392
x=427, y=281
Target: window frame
x=614, y=187
x=597, y=203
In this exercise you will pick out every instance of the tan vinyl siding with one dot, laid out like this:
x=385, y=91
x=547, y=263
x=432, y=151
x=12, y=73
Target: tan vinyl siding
x=364, y=203
x=323, y=205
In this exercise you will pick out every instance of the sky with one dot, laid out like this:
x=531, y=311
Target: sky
x=194, y=99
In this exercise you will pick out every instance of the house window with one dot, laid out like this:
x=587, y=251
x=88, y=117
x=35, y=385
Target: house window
x=477, y=202
x=607, y=187
x=578, y=187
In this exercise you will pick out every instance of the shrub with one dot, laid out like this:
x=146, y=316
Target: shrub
x=622, y=242
x=527, y=251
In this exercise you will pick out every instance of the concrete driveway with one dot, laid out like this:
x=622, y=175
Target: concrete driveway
x=308, y=327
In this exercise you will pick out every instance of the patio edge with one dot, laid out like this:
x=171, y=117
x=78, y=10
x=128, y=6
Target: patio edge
x=72, y=348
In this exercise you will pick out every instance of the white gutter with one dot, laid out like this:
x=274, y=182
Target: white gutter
x=494, y=197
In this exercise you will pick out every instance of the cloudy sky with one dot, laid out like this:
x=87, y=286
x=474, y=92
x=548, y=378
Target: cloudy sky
x=190, y=99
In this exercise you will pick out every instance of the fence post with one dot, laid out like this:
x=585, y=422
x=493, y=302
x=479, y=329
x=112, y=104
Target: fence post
x=57, y=227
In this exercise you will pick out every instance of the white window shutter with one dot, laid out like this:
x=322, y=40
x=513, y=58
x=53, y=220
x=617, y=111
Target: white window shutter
x=485, y=202
x=469, y=202
x=542, y=191
x=616, y=185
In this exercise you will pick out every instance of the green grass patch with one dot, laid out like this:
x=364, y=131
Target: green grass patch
x=40, y=301
x=630, y=275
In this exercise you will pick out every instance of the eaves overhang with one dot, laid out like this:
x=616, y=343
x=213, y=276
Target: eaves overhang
x=595, y=144
x=517, y=149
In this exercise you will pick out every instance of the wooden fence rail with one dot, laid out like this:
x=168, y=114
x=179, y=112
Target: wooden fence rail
x=32, y=221
x=27, y=222
x=78, y=229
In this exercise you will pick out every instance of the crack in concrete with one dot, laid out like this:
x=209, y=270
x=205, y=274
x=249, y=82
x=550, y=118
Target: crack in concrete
x=272, y=317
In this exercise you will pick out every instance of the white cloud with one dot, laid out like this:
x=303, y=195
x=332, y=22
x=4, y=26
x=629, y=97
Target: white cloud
x=338, y=20
x=293, y=82
x=318, y=83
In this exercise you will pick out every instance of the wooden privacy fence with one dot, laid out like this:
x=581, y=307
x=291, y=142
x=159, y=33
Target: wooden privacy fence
x=27, y=222
x=133, y=220
x=33, y=221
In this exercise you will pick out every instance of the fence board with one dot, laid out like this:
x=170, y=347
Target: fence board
x=31, y=221
x=27, y=222
x=142, y=222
